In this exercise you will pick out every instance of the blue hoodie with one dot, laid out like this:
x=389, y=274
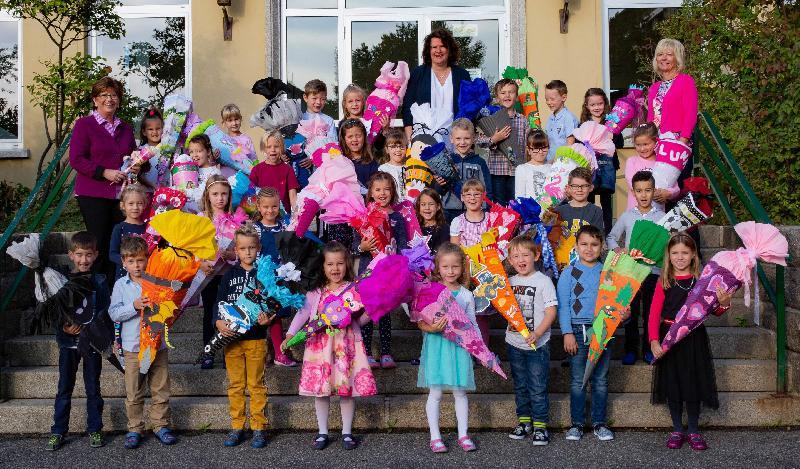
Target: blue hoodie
x=471, y=166
x=577, y=294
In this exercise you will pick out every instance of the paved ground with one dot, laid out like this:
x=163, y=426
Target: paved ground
x=729, y=449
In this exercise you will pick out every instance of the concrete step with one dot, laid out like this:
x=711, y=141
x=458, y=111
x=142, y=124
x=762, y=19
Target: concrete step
x=388, y=413
x=189, y=380
x=726, y=342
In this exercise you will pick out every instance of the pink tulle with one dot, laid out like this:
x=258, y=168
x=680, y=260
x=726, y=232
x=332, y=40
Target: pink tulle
x=596, y=136
x=341, y=205
x=389, y=286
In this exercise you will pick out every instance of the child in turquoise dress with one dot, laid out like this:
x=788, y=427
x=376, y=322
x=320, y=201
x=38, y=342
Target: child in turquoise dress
x=443, y=364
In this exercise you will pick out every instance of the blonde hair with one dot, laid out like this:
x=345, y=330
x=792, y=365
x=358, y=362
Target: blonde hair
x=262, y=145
x=677, y=49
x=463, y=124
x=351, y=88
x=265, y=193
x=473, y=183
x=247, y=230
x=524, y=242
x=132, y=189
x=230, y=111
x=206, y=202
x=447, y=249
x=668, y=274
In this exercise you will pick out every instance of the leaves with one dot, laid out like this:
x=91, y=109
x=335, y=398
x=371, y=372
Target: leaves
x=745, y=58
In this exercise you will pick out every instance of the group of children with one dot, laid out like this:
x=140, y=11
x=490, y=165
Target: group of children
x=451, y=216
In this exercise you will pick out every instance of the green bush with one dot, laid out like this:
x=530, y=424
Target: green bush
x=745, y=58
x=12, y=194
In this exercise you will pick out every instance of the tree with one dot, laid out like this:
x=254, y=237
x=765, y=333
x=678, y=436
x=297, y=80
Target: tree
x=8, y=77
x=160, y=64
x=62, y=91
x=743, y=55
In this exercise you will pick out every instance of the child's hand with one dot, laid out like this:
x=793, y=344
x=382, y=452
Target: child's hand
x=724, y=297
x=215, y=154
x=532, y=338
x=367, y=245
x=570, y=344
x=284, y=157
x=439, y=324
x=440, y=180
x=265, y=320
x=306, y=163
x=141, y=303
x=224, y=328
x=661, y=196
x=286, y=341
x=206, y=267
x=655, y=347
x=385, y=120
x=72, y=329
x=228, y=255
x=501, y=134
x=619, y=250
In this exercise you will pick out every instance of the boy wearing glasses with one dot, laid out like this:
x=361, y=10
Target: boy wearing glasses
x=576, y=213
x=530, y=177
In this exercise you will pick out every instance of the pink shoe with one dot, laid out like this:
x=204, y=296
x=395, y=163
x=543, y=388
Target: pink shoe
x=387, y=362
x=437, y=446
x=467, y=444
x=676, y=440
x=285, y=361
x=372, y=362
x=696, y=442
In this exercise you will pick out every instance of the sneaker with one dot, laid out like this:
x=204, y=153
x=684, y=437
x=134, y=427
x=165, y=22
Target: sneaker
x=414, y=361
x=165, y=436
x=132, y=440
x=521, y=431
x=321, y=442
x=207, y=364
x=234, y=438
x=603, y=433
x=285, y=361
x=437, y=446
x=96, y=440
x=540, y=437
x=372, y=362
x=259, y=439
x=575, y=433
x=387, y=362
x=54, y=442
x=697, y=442
x=676, y=440
x=648, y=357
x=629, y=358
x=466, y=443
x=348, y=442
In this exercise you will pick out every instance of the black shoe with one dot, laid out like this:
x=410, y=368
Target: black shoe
x=321, y=442
x=540, y=437
x=348, y=442
x=521, y=431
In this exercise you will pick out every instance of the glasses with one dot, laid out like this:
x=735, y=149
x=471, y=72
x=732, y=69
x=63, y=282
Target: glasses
x=109, y=96
x=539, y=150
x=395, y=146
x=582, y=187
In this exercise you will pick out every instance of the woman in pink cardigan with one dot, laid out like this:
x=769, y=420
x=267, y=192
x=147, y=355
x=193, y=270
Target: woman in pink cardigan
x=672, y=101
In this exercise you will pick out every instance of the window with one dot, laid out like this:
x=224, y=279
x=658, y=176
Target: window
x=347, y=41
x=10, y=85
x=153, y=58
x=630, y=42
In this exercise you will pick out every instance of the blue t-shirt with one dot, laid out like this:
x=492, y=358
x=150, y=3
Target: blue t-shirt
x=121, y=230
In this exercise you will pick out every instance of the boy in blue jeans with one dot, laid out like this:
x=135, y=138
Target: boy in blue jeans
x=530, y=368
x=83, y=253
x=577, y=292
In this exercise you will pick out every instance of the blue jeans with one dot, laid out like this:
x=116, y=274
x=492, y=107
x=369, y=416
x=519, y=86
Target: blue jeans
x=68, y=361
x=598, y=380
x=530, y=370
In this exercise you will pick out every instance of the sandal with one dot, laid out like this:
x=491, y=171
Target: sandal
x=132, y=440
x=348, y=442
x=321, y=442
x=437, y=446
x=466, y=443
x=697, y=442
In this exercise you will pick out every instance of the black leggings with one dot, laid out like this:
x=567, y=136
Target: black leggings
x=209, y=295
x=692, y=415
x=607, y=205
x=384, y=331
x=100, y=215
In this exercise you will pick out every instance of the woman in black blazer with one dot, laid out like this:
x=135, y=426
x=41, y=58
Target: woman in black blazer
x=439, y=57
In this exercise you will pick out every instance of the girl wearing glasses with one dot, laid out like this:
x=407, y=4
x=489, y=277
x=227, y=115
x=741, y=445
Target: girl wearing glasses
x=530, y=176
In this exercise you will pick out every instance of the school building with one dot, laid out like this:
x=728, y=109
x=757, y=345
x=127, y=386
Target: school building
x=215, y=53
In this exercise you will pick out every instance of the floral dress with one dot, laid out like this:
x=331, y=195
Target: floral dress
x=334, y=363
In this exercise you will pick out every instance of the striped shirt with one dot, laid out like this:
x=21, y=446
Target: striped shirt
x=110, y=126
x=468, y=232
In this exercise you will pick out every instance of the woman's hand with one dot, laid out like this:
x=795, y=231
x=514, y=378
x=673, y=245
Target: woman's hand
x=307, y=163
x=570, y=344
x=72, y=329
x=500, y=134
x=724, y=297
x=655, y=347
x=114, y=176
x=286, y=341
x=224, y=328
x=661, y=196
x=367, y=245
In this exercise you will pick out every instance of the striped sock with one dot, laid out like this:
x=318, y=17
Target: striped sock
x=524, y=420
x=542, y=425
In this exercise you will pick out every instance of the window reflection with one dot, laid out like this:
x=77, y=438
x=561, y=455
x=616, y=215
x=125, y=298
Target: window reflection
x=311, y=53
x=311, y=3
x=422, y=3
x=9, y=76
x=479, y=44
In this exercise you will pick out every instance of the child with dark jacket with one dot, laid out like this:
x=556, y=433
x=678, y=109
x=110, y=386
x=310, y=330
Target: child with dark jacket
x=469, y=166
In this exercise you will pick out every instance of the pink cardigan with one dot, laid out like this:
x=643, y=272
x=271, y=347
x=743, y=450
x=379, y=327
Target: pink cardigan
x=679, y=108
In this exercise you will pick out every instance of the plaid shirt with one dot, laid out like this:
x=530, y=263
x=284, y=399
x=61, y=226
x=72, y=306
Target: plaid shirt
x=499, y=164
x=110, y=127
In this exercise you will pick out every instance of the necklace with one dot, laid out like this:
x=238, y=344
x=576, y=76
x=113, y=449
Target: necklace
x=443, y=76
x=678, y=283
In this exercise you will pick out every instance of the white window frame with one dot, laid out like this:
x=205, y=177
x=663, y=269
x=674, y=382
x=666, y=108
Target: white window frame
x=16, y=143
x=156, y=10
x=617, y=4
x=423, y=15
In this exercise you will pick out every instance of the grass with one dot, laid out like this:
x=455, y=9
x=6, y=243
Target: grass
x=70, y=219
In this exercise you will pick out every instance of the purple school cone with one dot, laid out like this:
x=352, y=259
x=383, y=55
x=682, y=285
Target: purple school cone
x=432, y=301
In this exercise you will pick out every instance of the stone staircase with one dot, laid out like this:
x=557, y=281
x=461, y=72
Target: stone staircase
x=744, y=360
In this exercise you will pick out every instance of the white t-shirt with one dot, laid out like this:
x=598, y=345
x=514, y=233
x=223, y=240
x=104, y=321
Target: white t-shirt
x=397, y=174
x=534, y=293
x=529, y=179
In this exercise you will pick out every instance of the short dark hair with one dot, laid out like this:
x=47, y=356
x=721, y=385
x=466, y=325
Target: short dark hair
x=643, y=176
x=589, y=230
x=382, y=176
x=83, y=240
x=335, y=247
x=648, y=129
x=449, y=43
x=205, y=141
x=536, y=138
x=132, y=245
x=557, y=85
x=108, y=83
x=581, y=173
x=504, y=82
x=315, y=86
x=151, y=113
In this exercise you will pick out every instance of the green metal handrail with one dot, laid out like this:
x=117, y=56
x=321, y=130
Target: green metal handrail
x=722, y=160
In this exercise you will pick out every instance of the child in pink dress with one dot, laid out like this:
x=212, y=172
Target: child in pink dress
x=334, y=364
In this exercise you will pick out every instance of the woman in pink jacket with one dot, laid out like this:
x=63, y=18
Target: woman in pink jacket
x=672, y=101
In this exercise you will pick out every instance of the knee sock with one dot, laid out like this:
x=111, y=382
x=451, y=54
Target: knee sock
x=276, y=334
x=693, y=416
x=347, y=405
x=676, y=412
x=462, y=411
x=483, y=326
x=432, y=411
x=322, y=405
